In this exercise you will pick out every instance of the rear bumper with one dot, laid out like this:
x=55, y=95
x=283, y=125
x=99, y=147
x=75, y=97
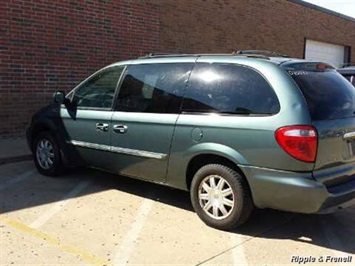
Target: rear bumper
x=297, y=192
x=340, y=196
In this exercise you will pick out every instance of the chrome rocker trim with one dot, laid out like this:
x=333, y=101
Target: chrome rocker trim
x=101, y=147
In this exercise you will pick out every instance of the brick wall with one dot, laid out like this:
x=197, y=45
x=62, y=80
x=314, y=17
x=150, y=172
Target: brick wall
x=51, y=45
x=226, y=25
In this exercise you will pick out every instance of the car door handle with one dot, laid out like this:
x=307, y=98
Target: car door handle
x=102, y=127
x=120, y=128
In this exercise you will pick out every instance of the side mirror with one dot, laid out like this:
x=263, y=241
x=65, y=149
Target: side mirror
x=59, y=97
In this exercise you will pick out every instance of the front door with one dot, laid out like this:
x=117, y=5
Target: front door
x=87, y=119
x=147, y=107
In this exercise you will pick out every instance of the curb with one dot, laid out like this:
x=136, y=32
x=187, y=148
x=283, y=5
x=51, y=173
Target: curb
x=15, y=159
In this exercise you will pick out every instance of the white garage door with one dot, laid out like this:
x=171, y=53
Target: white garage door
x=325, y=52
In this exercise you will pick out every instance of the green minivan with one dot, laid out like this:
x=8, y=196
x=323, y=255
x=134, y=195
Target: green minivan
x=238, y=131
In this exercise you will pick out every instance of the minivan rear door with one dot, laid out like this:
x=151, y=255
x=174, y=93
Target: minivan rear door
x=331, y=101
x=147, y=108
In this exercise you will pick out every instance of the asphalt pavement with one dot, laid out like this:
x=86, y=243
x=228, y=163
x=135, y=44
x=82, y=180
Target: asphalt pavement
x=14, y=150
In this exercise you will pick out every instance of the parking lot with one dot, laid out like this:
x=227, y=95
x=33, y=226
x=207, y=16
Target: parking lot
x=95, y=218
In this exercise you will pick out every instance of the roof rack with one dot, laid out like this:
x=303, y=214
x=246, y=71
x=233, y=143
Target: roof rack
x=259, y=53
x=155, y=55
x=349, y=64
x=249, y=53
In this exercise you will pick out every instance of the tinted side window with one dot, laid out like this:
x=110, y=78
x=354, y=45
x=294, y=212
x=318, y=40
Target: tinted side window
x=99, y=90
x=328, y=94
x=153, y=88
x=229, y=88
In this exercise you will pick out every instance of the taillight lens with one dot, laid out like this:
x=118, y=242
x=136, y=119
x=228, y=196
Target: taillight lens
x=298, y=141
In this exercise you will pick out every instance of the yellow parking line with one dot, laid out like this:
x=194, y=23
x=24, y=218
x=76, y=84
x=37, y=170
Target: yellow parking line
x=92, y=259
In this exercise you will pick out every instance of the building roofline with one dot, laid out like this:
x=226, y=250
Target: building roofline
x=322, y=9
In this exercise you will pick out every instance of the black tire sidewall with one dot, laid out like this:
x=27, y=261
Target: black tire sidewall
x=56, y=168
x=242, y=202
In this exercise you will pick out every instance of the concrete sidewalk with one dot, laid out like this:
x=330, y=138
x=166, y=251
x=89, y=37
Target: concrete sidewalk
x=14, y=150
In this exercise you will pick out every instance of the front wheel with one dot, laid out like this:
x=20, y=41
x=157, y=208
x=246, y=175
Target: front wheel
x=47, y=155
x=220, y=196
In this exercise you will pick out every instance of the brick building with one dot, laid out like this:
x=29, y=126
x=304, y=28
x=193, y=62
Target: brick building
x=52, y=45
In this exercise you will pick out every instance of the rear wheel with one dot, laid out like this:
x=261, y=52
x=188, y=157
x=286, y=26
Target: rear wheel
x=47, y=155
x=221, y=196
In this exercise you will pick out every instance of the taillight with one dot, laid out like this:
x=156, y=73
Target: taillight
x=322, y=66
x=298, y=141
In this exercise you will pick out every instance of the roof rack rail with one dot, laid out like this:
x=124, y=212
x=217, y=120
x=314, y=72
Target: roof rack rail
x=249, y=53
x=349, y=64
x=158, y=55
x=259, y=52
x=154, y=55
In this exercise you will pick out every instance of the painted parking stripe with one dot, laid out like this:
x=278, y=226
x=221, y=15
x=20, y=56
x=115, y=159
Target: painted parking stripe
x=124, y=252
x=89, y=258
x=238, y=253
x=16, y=179
x=59, y=205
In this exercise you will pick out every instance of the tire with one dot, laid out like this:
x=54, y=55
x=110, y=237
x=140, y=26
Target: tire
x=225, y=210
x=46, y=155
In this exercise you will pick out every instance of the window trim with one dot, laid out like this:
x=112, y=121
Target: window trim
x=224, y=114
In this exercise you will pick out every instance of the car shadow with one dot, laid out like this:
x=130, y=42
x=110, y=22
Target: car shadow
x=334, y=231
x=164, y=194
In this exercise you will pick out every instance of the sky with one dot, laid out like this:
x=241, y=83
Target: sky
x=345, y=7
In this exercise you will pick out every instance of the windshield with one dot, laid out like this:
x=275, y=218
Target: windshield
x=328, y=94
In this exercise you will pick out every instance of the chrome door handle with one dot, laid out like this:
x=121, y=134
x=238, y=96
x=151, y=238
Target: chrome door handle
x=102, y=127
x=120, y=128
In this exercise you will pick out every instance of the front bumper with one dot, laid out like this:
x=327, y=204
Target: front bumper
x=29, y=137
x=297, y=192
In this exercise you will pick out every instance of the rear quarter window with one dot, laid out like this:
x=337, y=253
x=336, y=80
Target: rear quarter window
x=328, y=94
x=229, y=88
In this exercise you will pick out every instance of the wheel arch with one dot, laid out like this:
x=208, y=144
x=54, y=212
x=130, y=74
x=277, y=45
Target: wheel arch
x=209, y=158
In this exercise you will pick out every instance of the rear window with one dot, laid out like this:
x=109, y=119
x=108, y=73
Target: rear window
x=328, y=94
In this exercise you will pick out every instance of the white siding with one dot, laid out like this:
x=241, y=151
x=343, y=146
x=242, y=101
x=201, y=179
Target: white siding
x=325, y=52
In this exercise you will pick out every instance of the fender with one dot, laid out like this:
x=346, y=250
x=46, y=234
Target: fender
x=49, y=119
x=179, y=161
